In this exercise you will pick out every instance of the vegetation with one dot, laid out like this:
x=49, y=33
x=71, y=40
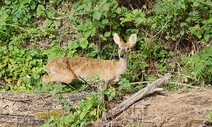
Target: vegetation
x=174, y=36
x=210, y=116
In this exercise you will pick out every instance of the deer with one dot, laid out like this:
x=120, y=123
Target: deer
x=67, y=69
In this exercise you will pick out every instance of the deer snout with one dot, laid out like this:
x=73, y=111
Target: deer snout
x=122, y=54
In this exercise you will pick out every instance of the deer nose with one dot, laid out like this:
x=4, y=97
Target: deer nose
x=122, y=54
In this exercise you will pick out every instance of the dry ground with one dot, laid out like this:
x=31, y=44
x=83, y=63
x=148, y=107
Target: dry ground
x=184, y=108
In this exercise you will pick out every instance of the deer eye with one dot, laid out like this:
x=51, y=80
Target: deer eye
x=128, y=48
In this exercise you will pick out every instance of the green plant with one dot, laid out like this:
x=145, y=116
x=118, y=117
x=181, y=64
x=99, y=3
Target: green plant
x=82, y=114
x=32, y=32
x=183, y=22
x=175, y=17
x=199, y=66
x=22, y=59
x=22, y=67
x=124, y=85
x=90, y=17
x=210, y=116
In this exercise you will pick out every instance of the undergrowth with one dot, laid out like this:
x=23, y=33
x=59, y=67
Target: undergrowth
x=173, y=36
x=199, y=66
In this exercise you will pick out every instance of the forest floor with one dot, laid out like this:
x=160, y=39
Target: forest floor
x=182, y=108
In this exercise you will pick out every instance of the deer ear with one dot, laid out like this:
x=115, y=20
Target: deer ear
x=132, y=39
x=117, y=39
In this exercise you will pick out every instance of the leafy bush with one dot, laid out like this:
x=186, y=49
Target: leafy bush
x=96, y=21
x=181, y=23
x=181, y=19
x=91, y=17
x=80, y=114
x=21, y=59
x=210, y=116
x=33, y=32
x=19, y=68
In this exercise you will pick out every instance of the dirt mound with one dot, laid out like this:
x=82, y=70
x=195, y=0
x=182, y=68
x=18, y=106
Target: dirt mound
x=22, y=110
x=185, y=108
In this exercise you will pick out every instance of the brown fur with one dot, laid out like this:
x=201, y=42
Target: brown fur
x=65, y=69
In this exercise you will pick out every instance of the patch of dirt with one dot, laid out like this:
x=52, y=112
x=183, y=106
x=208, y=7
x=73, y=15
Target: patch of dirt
x=184, y=108
x=29, y=110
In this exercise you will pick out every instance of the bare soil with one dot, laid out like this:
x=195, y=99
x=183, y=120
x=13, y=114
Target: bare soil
x=184, y=108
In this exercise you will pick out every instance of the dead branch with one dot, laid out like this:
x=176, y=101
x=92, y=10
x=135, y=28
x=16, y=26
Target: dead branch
x=151, y=88
x=31, y=120
x=138, y=83
x=78, y=97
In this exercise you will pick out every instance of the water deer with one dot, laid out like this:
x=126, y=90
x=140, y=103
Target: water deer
x=66, y=69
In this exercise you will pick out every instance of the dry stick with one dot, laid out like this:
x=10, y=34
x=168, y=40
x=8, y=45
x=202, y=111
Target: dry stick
x=151, y=88
x=138, y=83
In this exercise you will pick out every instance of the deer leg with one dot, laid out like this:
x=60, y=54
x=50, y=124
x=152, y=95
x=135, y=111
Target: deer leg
x=46, y=79
x=116, y=80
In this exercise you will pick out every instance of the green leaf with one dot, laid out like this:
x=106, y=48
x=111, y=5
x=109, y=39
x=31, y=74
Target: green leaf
x=91, y=45
x=88, y=106
x=47, y=23
x=55, y=52
x=105, y=21
x=158, y=7
x=183, y=6
x=40, y=10
x=97, y=15
x=210, y=114
x=82, y=115
x=46, y=124
x=107, y=34
x=57, y=23
x=103, y=38
x=94, y=112
x=51, y=14
x=207, y=37
x=196, y=3
x=83, y=43
x=73, y=45
x=182, y=32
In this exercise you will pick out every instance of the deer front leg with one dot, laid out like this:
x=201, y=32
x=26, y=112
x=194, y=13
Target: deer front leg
x=117, y=79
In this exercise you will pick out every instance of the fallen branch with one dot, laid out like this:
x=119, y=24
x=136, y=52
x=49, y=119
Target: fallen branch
x=21, y=119
x=138, y=83
x=151, y=88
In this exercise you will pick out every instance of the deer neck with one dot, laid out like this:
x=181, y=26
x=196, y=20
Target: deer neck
x=122, y=65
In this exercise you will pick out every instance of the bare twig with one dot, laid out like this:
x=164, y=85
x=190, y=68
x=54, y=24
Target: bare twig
x=59, y=18
x=85, y=82
x=25, y=100
x=70, y=86
x=143, y=82
x=23, y=119
x=78, y=97
x=13, y=119
x=159, y=31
